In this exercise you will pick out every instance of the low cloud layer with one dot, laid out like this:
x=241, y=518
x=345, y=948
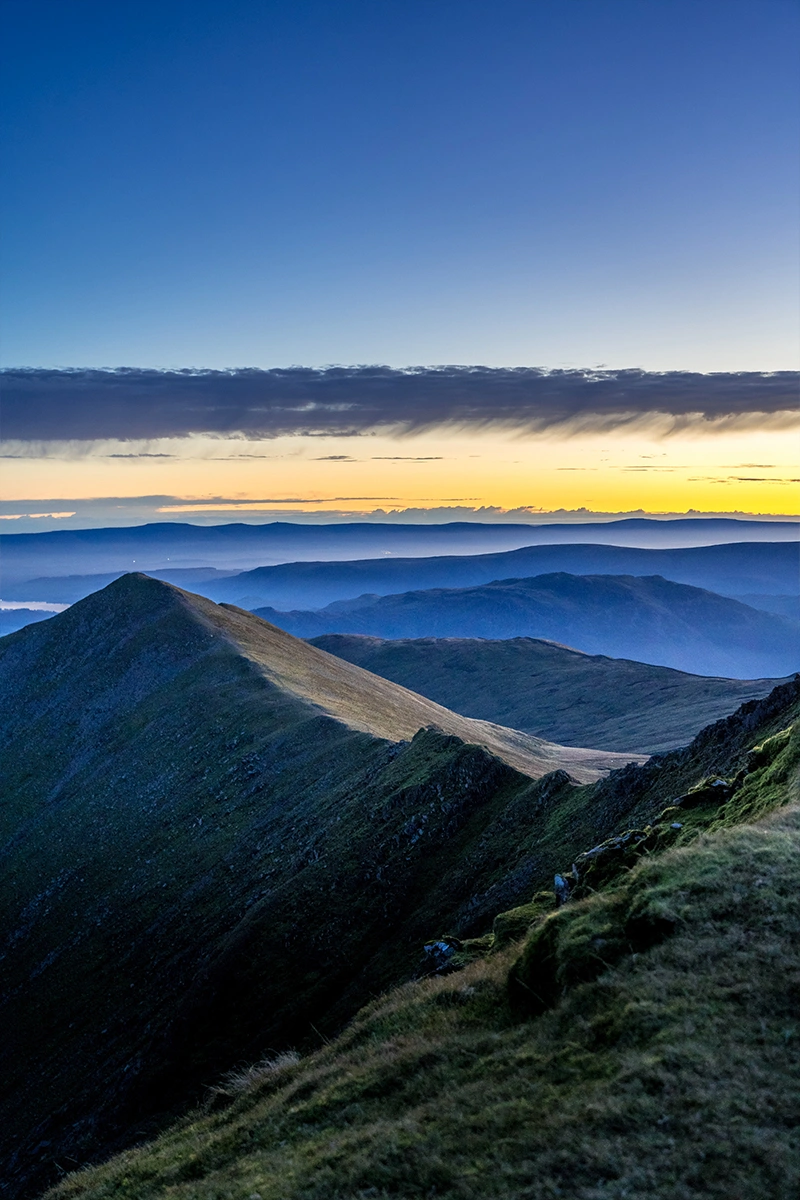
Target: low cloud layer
x=44, y=514
x=83, y=405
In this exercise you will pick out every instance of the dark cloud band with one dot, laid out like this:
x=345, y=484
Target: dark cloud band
x=52, y=405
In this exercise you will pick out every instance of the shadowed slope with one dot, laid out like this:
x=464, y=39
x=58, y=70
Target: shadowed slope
x=204, y=853
x=553, y=691
x=642, y=1044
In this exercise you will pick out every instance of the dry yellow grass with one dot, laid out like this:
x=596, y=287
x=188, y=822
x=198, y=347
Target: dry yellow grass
x=373, y=705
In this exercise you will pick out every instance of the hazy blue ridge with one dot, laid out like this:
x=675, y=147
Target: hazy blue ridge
x=648, y=619
x=727, y=569
x=174, y=545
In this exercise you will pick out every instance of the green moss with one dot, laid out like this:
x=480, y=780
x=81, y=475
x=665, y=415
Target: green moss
x=771, y=774
x=511, y=926
x=671, y=1072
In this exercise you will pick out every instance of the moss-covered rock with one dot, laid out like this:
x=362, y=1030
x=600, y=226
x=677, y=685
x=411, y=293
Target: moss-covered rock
x=512, y=925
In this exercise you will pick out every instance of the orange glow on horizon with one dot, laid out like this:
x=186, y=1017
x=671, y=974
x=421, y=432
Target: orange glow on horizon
x=748, y=471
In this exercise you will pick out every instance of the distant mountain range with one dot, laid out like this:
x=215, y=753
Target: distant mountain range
x=12, y=619
x=168, y=546
x=648, y=619
x=784, y=606
x=551, y=691
x=765, y=571
x=68, y=589
x=729, y=569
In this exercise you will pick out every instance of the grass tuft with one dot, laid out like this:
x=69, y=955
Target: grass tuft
x=246, y=1079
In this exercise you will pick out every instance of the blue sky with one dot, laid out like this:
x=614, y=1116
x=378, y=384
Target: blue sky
x=552, y=183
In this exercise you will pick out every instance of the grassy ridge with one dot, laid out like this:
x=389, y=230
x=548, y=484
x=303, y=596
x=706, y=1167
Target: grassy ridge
x=203, y=861
x=209, y=848
x=552, y=691
x=665, y=1071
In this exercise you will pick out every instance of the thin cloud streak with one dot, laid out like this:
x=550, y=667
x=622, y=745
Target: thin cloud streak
x=222, y=502
x=128, y=403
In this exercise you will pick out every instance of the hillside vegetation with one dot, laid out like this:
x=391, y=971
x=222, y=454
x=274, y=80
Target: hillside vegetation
x=649, y=619
x=216, y=838
x=551, y=690
x=640, y=1041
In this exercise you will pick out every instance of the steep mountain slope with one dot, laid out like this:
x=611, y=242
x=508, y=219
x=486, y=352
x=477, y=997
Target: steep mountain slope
x=172, y=544
x=12, y=619
x=214, y=838
x=648, y=619
x=784, y=606
x=640, y=1041
x=552, y=691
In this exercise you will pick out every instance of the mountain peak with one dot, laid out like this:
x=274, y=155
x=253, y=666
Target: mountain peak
x=155, y=631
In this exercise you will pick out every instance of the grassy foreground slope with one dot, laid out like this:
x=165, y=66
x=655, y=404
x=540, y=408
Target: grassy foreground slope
x=553, y=691
x=648, y=619
x=642, y=1041
x=216, y=838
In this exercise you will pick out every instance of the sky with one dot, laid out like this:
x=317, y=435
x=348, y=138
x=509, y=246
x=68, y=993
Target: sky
x=599, y=196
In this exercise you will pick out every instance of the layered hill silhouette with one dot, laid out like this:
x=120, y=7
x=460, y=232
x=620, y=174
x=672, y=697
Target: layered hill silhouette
x=637, y=1038
x=730, y=569
x=169, y=545
x=216, y=838
x=552, y=691
x=648, y=619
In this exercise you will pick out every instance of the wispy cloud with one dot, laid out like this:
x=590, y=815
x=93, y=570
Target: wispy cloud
x=741, y=479
x=36, y=516
x=222, y=503
x=129, y=403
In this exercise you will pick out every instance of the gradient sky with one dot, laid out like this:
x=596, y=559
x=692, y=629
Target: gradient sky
x=557, y=183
